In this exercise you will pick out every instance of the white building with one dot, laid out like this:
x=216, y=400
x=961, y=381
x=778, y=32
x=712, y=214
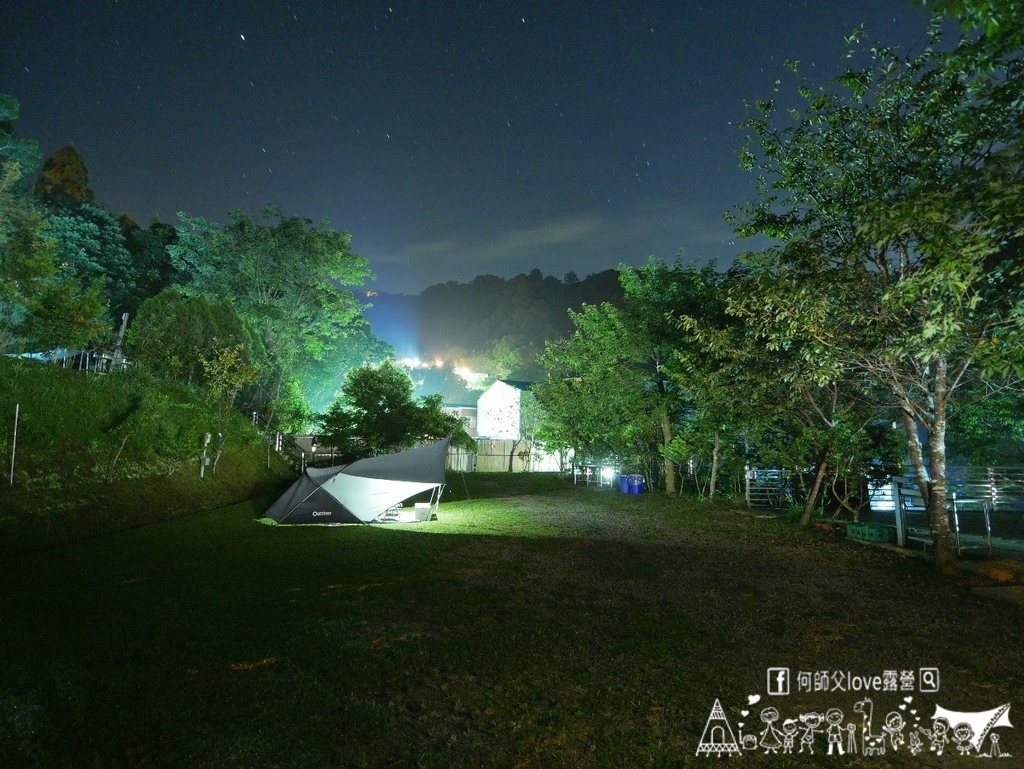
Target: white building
x=499, y=410
x=503, y=440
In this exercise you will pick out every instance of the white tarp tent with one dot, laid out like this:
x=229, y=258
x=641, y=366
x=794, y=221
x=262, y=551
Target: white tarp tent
x=364, y=490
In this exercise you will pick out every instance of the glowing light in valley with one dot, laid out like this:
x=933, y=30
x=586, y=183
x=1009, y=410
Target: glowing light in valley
x=469, y=377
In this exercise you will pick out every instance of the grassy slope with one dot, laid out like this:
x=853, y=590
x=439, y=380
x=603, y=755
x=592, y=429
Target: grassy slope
x=569, y=627
x=102, y=453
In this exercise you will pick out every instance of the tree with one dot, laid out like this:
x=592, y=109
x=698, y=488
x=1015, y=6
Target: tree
x=174, y=333
x=67, y=315
x=798, y=407
x=283, y=279
x=23, y=152
x=376, y=414
x=988, y=428
x=91, y=246
x=26, y=256
x=730, y=391
x=227, y=369
x=890, y=197
x=41, y=306
x=354, y=344
x=27, y=260
x=599, y=397
x=616, y=386
x=64, y=180
x=150, y=270
x=652, y=293
x=1001, y=20
x=43, y=303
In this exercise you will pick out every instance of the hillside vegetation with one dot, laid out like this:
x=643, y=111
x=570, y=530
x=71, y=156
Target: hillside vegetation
x=95, y=454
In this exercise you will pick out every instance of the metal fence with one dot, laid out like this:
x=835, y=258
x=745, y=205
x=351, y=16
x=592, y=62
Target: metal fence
x=986, y=507
x=767, y=488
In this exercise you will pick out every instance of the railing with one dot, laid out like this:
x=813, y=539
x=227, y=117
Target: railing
x=766, y=487
x=282, y=443
x=985, y=507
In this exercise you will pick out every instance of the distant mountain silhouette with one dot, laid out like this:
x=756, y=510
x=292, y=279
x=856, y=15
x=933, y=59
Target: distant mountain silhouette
x=490, y=317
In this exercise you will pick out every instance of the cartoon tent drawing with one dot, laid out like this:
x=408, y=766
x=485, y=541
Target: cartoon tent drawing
x=364, y=490
x=981, y=722
x=718, y=737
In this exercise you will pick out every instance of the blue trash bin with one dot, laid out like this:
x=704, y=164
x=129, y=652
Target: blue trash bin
x=636, y=484
x=624, y=484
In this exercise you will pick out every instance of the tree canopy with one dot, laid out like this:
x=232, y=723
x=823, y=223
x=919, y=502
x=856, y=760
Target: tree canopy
x=377, y=414
x=64, y=180
x=891, y=198
x=284, y=279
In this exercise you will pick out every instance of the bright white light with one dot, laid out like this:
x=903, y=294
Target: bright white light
x=607, y=473
x=470, y=377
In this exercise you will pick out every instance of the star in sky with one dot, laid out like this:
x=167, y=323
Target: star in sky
x=450, y=139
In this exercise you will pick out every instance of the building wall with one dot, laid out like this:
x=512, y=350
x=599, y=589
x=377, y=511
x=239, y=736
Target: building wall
x=469, y=416
x=498, y=412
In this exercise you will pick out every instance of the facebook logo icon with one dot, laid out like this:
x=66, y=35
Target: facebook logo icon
x=778, y=681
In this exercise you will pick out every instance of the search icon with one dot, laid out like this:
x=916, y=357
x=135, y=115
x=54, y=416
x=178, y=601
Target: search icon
x=928, y=680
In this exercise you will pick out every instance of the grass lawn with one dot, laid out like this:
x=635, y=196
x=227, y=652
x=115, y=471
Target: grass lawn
x=533, y=625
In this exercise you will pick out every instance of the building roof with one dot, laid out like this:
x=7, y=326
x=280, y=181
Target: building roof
x=518, y=383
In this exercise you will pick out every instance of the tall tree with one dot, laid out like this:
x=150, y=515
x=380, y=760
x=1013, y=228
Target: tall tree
x=150, y=269
x=354, y=345
x=377, y=414
x=13, y=148
x=41, y=304
x=1001, y=20
x=283, y=279
x=599, y=396
x=27, y=258
x=890, y=197
x=803, y=407
x=173, y=334
x=731, y=391
x=652, y=293
x=91, y=246
x=67, y=314
x=64, y=180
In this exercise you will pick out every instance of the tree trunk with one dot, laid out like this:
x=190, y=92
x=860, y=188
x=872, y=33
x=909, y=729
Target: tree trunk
x=812, y=496
x=670, y=466
x=512, y=454
x=714, y=468
x=917, y=455
x=932, y=479
x=946, y=557
x=220, y=450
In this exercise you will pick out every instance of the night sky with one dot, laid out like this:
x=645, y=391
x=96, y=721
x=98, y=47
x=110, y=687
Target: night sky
x=449, y=138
